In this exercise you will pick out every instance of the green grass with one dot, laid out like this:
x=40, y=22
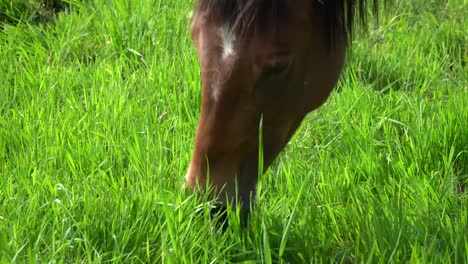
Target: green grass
x=97, y=117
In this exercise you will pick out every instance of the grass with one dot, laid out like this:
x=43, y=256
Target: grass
x=97, y=119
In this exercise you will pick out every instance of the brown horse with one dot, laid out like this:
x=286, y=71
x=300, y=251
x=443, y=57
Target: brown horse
x=262, y=61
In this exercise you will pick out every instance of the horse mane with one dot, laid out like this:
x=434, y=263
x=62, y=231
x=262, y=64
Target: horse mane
x=247, y=16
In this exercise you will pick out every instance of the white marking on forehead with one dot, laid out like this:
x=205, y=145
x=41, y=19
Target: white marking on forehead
x=215, y=92
x=228, y=39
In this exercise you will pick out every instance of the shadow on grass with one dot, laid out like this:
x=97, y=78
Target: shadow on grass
x=32, y=11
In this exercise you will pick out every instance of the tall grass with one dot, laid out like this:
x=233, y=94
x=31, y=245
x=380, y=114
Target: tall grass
x=98, y=112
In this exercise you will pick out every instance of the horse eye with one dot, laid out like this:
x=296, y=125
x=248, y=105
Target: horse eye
x=277, y=68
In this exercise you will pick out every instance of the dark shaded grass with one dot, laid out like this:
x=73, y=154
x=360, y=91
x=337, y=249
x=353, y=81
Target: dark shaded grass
x=31, y=11
x=438, y=49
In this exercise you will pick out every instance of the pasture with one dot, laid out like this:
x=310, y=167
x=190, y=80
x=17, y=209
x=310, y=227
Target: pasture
x=98, y=109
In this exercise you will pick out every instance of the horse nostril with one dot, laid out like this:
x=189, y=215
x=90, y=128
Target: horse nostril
x=219, y=213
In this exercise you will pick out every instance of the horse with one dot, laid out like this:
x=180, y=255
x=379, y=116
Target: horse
x=265, y=64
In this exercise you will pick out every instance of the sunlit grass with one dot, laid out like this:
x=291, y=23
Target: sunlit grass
x=98, y=113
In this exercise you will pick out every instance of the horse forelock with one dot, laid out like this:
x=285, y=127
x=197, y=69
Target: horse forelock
x=255, y=16
x=244, y=17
